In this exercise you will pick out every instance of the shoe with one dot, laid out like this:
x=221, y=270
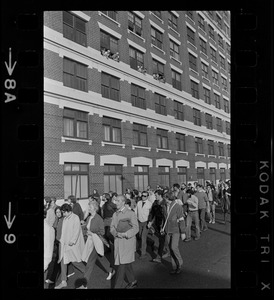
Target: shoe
x=213, y=222
x=157, y=259
x=210, y=221
x=187, y=240
x=110, y=275
x=166, y=255
x=132, y=285
x=205, y=229
x=179, y=270
x=71, y=274
x=49, y=281
x=61, y=285
x=173, y=272
x=196, y=239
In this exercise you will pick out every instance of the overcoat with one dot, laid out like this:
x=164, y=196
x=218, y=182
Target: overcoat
x=71, y=232
x=124, y=248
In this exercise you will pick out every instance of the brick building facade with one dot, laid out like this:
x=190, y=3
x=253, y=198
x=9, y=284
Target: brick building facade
x=110, y=125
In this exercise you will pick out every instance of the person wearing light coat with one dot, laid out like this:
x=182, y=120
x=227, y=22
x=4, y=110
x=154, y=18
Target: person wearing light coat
x=124, y=227
x=71, y=243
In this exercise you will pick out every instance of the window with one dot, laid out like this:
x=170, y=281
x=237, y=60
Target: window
x=213, y=54
x=76, y=180
x=207, y=96
x=211, y=32
x=190, y=36
x=141, y=177
x=197, y=117
x=209, y=121
x=228, y=150
x=201, y=175
x=229, y=68
x=204, y=70
x=212, y=175
x=172, y=21
x=201, y=22
x=219, y=21
x=157, y=38
x=220, y=41
x=108, y=42
x=199, y=145
x=222, y=62
x=136, y=58
x=215, y=77
x=194, y=89
x=181, y=141
x=74, y=29
x=75, y=123
x=217, y=101
x=190, y=14
x=75, y=75
x=178, y=110
x=160, y=104
x=192, y=62
x=158, y=68
x=226, y=106
x=222, y=174
x=228, y=49
x=157, y=13
x=113, y=178
x=138, y=96
x=111, y=13
x=176, y=80
x=221, y=149
x=162, y=139
x=203, y=46
x=112, y=130
x=210, y=145
x=224, y=83
x=227, y=128
x=134, y=23
x=139, y=135
x=174, y=50
x=182, y=175
x=110, y=86
x=163, y=173
x=227, y=30
x=219, y=125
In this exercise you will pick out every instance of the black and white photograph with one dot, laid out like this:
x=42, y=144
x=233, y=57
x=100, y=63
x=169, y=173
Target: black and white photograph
x=137, y=182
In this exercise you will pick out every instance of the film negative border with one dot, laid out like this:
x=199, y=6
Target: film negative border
x=22, y=149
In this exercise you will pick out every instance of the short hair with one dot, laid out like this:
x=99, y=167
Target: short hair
x=190, y=191
x=94, y=204
x=159, y=192
x=82, y=281
x=57, y=207
x=107, y=196
x=72, y=198
x=176, y=185
x=170, y=196
x=128, y=202
x=66, y=207
x=114, y=194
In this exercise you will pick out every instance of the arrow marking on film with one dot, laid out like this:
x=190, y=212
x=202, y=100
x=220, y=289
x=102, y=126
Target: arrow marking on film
x=9, y=67
x=8, y=221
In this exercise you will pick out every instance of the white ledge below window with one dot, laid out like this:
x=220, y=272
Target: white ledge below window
x=65, y=138
x=141, y=147
x=169, y=27
x=181, y=152
x=199, y=154
x=152, y=45
x=163, y=150
x=171, y=57
x=130, y=31
x=211, y=155
x=222, y=157
x=113, y=144
x=192, y=45
x=106, y=16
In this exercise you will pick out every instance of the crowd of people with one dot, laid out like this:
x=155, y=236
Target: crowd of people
x=122, y=225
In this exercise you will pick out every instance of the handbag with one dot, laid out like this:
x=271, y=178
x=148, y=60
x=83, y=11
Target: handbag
x=124, y=225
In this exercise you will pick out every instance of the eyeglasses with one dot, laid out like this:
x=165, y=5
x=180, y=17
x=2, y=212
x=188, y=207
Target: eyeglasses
x=144, y=195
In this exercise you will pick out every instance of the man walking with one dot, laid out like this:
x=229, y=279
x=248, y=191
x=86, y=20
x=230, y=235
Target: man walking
x=124, y=227
x=142, y=211
x=202, y=205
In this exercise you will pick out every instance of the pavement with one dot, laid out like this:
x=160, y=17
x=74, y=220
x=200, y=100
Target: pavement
x=206, y=264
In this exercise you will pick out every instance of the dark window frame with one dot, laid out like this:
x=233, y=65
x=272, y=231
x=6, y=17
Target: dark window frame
x=197, y=117
x=140, y=131
x=76, y=116
x=194, y=89
x=110, y=87
x=112, y=124
x=160, y=104
x=162, y=135
x=181, y=142
x=178, y=110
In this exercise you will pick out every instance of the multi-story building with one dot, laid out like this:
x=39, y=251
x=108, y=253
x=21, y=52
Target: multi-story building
x=135, y=98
